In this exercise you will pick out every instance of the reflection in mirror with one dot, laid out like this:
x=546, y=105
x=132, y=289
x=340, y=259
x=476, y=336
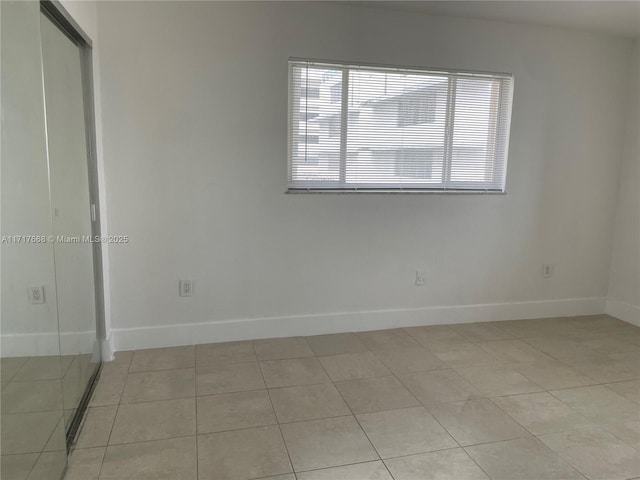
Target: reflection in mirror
x=31, y=369
x=71, y=212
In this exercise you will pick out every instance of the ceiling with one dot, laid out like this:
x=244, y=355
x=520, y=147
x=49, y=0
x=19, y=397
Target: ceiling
x=620, y=18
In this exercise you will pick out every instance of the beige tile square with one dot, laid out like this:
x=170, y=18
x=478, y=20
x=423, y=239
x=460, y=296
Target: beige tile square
x=42, y=368
x=616, y=367
x=601, y=322
x=432, y=388
x=38, y=396
x=335, y=344
x=160, y=385
x=225, y=353
x=123, y=357
x=139, y=422
x=631, y=336
x=288, y=476
x=522, y=459
x=452, y=464
x=609, y=344
x=96, y=428
x=629, y=390
x=161, y=459
x=360, y=471
x=409, y=360
x=242, y=454
x=26, y=432
x=435, y=334
x=49, y=465
x=481, y=332
x=73, y=386
x=162, y=359
x=386, y=339
x=529, y=328
x=558, y=346
x=57, y=441
x=309, y=402
x=541, y=413
x=595, y=453
x=462, y=354
x=628, y=432
x=327, y=443
x=85, y=464
x=110, y=386
x=374, y=394
x=120, y=362
x=477, y=421
x=237, y=377
x=281, y=348
x=552, y=374
x=513, y=351
x=598, y=403
x=405, y=432
x=496, y=380
x=9, y=366
x=353, y=365
x=17, y=467
x=231, y=411
x=294, y=371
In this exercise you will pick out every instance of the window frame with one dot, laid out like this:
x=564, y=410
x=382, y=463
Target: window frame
x=345, y=68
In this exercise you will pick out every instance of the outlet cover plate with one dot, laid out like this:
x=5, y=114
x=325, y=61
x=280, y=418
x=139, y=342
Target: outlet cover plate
x=186, y=288
x=36, y=294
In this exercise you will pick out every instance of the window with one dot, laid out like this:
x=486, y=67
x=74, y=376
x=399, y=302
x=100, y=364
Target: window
x=390, y=128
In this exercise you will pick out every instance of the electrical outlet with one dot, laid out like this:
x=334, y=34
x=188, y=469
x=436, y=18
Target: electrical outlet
x=186, y=288
x=36, y=294
x=547, y=270
x=419, y=278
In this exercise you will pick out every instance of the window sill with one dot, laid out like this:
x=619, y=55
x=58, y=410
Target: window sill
x=408, y=191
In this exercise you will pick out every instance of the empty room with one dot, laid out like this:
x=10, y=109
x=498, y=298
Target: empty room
x=320, y=240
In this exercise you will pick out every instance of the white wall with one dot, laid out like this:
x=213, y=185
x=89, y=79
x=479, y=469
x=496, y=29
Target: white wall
x=194, y=98
x=624, y=283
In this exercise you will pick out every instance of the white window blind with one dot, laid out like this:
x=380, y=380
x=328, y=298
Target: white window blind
x=357, y=127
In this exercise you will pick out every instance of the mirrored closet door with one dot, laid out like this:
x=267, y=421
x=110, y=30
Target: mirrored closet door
x=51, y=308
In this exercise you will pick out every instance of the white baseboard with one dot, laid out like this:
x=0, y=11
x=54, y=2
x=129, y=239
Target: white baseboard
x=46, y=343
x=29, y=344
x=623, y=311
x=304, y=325
x=73, y=343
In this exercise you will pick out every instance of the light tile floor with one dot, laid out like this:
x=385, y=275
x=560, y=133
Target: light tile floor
x=38, y=399
x=530, y=399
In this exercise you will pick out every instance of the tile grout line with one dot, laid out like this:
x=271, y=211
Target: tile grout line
x=286, y=448
x=106, y=450
x=353, y=415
